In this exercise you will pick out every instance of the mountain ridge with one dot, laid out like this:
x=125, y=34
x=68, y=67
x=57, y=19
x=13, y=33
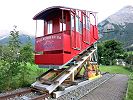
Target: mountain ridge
x=118, y=26
x=22, y=37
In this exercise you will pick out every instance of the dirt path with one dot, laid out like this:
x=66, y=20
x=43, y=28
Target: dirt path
x=114, y=89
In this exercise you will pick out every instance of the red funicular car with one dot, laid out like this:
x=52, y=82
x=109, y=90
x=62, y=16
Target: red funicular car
x=66, y=32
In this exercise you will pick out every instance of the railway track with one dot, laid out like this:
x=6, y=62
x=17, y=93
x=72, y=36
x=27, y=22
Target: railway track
x=74, y=92
x=26, y=94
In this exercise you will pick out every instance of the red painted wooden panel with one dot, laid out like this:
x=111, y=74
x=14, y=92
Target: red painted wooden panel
x=49, y=42
x=87, y=36
x=84, y=35
x=56, y=25
x=49, y=59
x=73, y=40
x=91, y=35
x=78, y=40
x=52, y=59
x=95, y=33
x=67, y=46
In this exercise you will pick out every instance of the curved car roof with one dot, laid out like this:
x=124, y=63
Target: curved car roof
x=54, y=9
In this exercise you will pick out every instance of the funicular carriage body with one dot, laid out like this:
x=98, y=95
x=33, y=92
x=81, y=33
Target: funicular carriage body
x=66, y=33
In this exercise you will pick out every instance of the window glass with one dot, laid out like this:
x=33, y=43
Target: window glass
x=78, y=25
x=87, y=23
x=72, y=22
x=39, y=28
x=64, y=24
x=83, y=21
x=80, y=14
x=92, y=19
x=50, y=27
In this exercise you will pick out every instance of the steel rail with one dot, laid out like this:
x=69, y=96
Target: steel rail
x=40, y=97
x=6, y=96
x=22, y=93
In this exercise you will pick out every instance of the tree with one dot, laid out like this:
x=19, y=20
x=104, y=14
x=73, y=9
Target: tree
x=100, y=52
x=10, y=57
x=15, y=60
x=26, y=56
x=26, y=52
x=14, y=46
x=129, y=60
x=1, y=52
x=109, y=51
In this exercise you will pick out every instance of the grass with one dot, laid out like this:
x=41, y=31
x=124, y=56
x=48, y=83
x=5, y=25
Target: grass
x=121, y=70
x=35, y=71
x=130, y=52
x=115, y=69
x=130, y=88
x=24, y=78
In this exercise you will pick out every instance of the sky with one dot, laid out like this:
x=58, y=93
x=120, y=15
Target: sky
x=21, y=12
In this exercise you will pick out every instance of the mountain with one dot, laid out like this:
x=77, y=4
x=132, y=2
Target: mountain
x=118, y=26
x=23, y=37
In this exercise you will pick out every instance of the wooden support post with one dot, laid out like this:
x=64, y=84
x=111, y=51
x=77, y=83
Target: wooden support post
x=72, y=77
x=95, y=57
x=78, y=70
